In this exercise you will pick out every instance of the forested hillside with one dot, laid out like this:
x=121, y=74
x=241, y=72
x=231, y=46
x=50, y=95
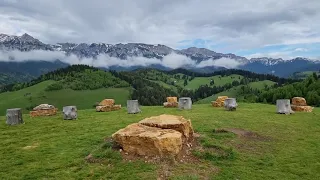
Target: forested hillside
x=76, y=77
x=308, y=88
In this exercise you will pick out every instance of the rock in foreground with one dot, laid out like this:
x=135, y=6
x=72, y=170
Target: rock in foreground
x=165, y=121
x=144, y=140
x=163, y=135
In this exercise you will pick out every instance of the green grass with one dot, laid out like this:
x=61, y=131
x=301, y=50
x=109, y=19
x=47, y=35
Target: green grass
x=260, y=84
x=218, y=81
x=165, y=85
x=82, y=99
x=291, y=151
x=235, y=91
x=160, y=77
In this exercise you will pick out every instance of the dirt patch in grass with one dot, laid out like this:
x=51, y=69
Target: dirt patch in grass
x=247, y=141
x=242, y=133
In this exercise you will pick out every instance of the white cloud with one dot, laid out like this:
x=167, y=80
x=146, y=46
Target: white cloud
x=172, y=60
x=222, y=62
x=301, y=50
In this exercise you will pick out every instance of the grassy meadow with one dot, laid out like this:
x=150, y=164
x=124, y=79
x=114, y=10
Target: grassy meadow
x=218, y=81
x=52, y=148
x=35, y=95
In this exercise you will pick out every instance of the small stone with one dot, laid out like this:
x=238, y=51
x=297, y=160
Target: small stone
x=219, y=102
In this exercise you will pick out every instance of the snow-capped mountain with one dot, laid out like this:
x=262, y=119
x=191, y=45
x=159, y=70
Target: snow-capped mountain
x=280, y=67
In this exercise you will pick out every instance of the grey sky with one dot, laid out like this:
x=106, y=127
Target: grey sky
x=228, y=25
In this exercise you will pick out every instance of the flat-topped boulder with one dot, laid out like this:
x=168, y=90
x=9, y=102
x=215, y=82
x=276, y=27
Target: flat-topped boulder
x=300, y=104
x=107, y=105
x=163, y=135
x=166, y=121
x=219, y=102
x=144, y=140
x=43, y=110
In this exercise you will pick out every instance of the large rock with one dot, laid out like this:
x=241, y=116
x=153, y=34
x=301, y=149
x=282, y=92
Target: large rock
x=302, y=108
x=107, y=102
x=299, y=101
x=144, y=140
x=219, y=102
x=165, y=121
x=43, y=107
x=44, y=112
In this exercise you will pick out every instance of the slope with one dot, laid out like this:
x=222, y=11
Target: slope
x=29, y=97
x=237, y=91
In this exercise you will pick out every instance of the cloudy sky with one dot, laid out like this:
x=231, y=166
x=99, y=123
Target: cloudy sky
x=251, y=28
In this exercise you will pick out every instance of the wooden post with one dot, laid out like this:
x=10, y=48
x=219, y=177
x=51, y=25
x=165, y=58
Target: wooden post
x=133, y=107
x=284, y=107
x=14, y=116
x=230, y=104
x=185, y=103
x=69, y=112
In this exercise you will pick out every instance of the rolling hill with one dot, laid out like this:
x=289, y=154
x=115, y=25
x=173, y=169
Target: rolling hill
x=29, y=97
x=237, y=91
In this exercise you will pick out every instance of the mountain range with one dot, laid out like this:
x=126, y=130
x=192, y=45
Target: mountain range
x=26, y=54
